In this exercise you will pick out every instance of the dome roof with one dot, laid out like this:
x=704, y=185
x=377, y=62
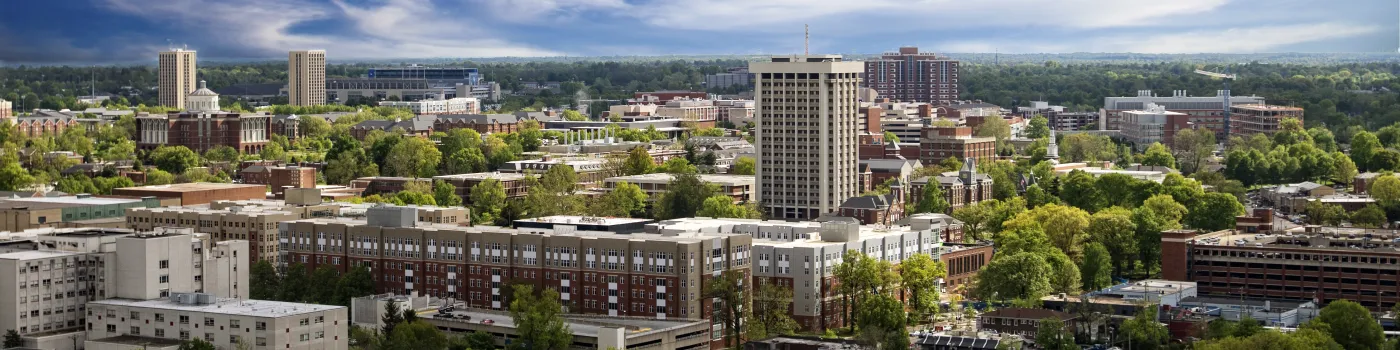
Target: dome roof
x=203, y=91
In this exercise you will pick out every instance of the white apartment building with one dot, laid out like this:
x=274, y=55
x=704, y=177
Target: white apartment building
x=803, y=254
x=807, y=115
x=459, y=105
x=1144, y=127
x=226, y=323
x=72, y=267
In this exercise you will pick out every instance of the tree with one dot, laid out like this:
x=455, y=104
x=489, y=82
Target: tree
x=1096, y=270
x=158, y=177
x=1364, y=146
x=196, y=344
x=1193, y=147
x=1022, y=275
x=1064, y=274
x=1300, y=339
x=391, y=318
x=1248, y=326
x=322, y=285
x=355, y=283
x=413, y=335
x=625, y=200
x=264, y=284
x=573, y=115
x=1385, y=190
x=221, y=154
x=174, y=159
x=722, y=206
x=920, y=275
x=76, y=184
x=465, y=161
x=993, y=127
x=1052, y=335
x=743, y=166
x=445, y=194
x=1143, y=330
x=769, y=317
x=12, y=339
x=1039, y=127
x=553, y=193
x=488, y=198
x=273, y=151
x=685, y=196
x=1078, y=190
x=1344, y=169
x=479, y=340
x=678, y=165
x=883, y=322
x=930, y=200
x=638, y=162
x=1158, y=155
x=891, y=137
x=349, y=165
x=1113, y=230
x=1064, y=226
x=414, y=157
x=294, y=284
x=1371, y=216
x=1350, y=325
x=1214, y=211
x=314, y=127
x=538, y=320
x=730, y=296
x=1037, y=196
x=1320, y=213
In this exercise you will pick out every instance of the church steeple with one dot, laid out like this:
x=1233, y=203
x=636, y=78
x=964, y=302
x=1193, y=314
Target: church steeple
x=1052, y=151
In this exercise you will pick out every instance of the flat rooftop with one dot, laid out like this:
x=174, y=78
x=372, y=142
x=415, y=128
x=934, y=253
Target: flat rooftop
x=579, y=325
x=667, y=178
x=1274, y=304
x=810, y=228
x=35, y=254
x=1268, y=108
x=75, y=200
x=584, y=220
x=686, y=237
x=191, y=187
x=1151, y=286
x=253, y=308
x=484, y=176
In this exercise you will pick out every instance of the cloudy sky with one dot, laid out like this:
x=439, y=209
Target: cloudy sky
x=108, y=31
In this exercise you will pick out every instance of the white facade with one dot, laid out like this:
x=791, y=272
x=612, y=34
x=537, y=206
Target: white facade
x=226, y=323
x=76, y=266
x=202, y=100
x=460, y=105
x=306, y=77
x=177, y=74
x=807, y=117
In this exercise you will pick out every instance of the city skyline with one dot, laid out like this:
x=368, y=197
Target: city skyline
x=265, y=29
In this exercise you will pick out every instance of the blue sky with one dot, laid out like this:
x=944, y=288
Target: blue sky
x=109, y=31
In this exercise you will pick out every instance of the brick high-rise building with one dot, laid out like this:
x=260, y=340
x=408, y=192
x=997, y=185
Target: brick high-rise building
x=1260, y=119
x=177, y=76
x=913, y=76
x=808, y=131
x=939, y=143
x=596, y=272
x=306, y=77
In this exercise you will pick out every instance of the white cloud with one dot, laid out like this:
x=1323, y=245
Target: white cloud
x=543, y=11
x=914, y=14
x=393, y=28
x=1233, y=40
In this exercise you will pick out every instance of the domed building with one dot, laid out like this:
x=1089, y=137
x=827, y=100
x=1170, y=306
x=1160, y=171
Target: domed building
x=202, y=100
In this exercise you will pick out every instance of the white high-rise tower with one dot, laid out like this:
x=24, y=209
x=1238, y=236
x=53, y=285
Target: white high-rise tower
x=177, y=76
x=806, y=112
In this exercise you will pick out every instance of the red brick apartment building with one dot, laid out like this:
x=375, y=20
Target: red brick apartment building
x=939, y=143
x=1317, y=263
x=280, y=178
x=913, y=76
x=596, y=272
x=196, y=193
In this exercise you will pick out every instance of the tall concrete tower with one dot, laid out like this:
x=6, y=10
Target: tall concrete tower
x=806, y=112
x=177, y=76
x=306, y=78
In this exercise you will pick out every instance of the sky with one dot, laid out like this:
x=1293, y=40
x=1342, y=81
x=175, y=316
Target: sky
x=112, y=31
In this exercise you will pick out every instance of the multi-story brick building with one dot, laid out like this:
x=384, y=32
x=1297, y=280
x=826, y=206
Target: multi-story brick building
x=1260, y=119
x=962, y=188
x=963, y=261
x=280, y=178
x=1022, y=321
x=482, y=123
x=257, y=226
x=513, y=183
x=420, y=126
x=875, y=209
x=939, y=143
x=633, y=274
x=1314, y=263
x=701, y=112
x=196, y=193
x=910, y=75
x=1205, y=112
x=739, y=187
x=802, y=255
x=661, y=97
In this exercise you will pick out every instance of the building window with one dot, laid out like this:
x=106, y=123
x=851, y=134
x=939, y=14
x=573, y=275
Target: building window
x=135, y=330
x=261, y=326
x=160, y=333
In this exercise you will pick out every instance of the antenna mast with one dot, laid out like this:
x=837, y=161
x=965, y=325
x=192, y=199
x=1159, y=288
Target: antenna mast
x=806, y=39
